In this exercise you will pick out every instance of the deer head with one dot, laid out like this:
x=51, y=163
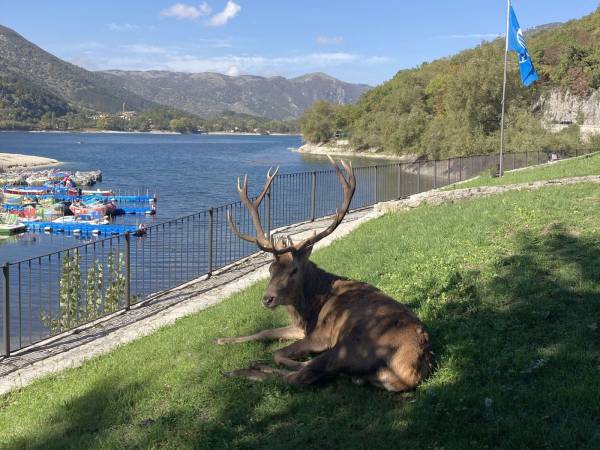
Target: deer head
x=290, y=267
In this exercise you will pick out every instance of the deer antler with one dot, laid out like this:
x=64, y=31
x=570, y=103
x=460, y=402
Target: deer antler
x=348, y=185
x=252, y=207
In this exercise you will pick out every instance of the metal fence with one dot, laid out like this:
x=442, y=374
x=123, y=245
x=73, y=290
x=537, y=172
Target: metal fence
x=49, y=294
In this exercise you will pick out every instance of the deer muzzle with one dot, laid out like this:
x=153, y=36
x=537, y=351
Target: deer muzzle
x=268, y=301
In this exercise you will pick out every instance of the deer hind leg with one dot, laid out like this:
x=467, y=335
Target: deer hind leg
x=290, y=332
x=401, y=373
x=386, y=379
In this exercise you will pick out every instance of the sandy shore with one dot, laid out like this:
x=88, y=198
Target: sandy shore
x=342, y=149
x=15, y=160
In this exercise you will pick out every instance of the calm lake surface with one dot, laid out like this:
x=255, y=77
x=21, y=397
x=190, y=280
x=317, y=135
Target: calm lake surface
x=188, y=173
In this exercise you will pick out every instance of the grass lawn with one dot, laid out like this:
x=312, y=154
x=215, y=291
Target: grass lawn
x=508, y=286
x=584, y=165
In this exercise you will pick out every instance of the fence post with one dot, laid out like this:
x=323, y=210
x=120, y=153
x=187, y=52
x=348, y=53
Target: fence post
x=6, y=310
x=313, y=196
x=514, y=161
x=435, y=173
x=460, y=168
x=210, y=242
x=269, y=215
x=127, y=271
x=449, y=170
x=576, y=152
x=399, y=181
x=526, y=160
x=376, y=184
x=418, y=177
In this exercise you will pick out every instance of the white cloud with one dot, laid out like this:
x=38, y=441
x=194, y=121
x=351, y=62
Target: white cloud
x=185, y=59
x=182, y=11
x=122, y=27
x=233, y=71
x=330, y=40
x=214, y=43
x=128, y=27
x=231, y=10
x=145, y=49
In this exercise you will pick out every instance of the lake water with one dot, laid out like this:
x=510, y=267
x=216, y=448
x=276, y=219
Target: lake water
x=188, y=173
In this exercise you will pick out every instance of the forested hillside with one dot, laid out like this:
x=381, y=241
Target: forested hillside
x=81, y=88
x=26, y=104
x=453, y=105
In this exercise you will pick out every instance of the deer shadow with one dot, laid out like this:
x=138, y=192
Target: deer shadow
x=515, y=368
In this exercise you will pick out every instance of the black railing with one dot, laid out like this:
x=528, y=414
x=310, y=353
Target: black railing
x=52, y=293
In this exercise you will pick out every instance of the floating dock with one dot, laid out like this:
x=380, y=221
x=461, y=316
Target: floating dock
x=118, y=198
x=82, y=228
x=127, y=210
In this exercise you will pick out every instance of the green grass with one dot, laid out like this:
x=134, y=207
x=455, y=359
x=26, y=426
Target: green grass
x=584, y=165
x=507, y=286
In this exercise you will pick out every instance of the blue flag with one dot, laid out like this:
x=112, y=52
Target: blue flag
x=516, y=42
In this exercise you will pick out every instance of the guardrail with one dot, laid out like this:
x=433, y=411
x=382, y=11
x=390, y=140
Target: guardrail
x=52, y=293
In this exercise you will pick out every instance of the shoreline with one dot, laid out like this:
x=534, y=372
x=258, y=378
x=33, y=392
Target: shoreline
x=91, y=131
x=19, y=161
x=342, y=149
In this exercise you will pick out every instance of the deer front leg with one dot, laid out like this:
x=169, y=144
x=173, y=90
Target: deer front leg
x=290, y=332
x=288, y=356
x=283, y=356
x=257, y=372
x=321, y=368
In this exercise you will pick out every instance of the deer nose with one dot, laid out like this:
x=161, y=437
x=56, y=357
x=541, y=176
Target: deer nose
x=268, y=301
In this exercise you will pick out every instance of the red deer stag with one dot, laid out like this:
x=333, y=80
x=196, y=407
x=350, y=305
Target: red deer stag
x=352, y=327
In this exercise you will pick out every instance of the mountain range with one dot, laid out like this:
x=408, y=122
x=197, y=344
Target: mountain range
x=33, y=81
x=210, y=94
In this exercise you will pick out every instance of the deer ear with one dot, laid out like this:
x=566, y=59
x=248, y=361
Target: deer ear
x=304, y=253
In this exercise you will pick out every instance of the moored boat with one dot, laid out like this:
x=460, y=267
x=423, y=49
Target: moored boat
x=7, y=229
x=83, y=218
x=23, y=190
x=98, y=192
x=101, y=208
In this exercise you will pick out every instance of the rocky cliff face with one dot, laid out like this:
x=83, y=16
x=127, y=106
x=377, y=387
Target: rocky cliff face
x=560, y=107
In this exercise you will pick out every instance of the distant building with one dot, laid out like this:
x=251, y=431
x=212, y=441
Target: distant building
x=128, y=115
x=99, y=116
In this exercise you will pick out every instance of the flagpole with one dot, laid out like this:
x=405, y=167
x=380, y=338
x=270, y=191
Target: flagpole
x=501, y=166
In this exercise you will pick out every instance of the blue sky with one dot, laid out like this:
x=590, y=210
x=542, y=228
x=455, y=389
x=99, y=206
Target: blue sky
x=354, y=40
